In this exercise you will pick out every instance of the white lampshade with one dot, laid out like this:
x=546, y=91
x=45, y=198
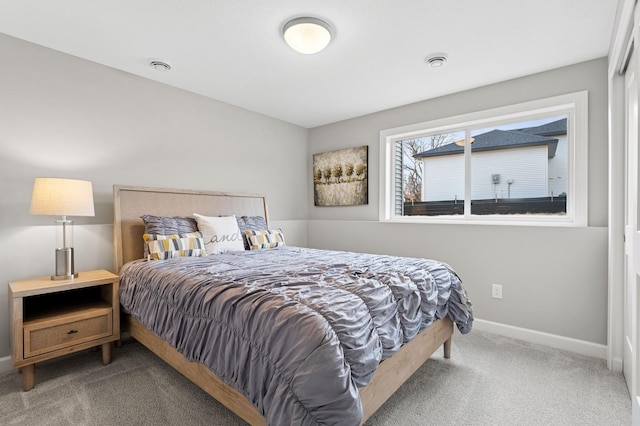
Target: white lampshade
x=307, y=35
x=62, y=197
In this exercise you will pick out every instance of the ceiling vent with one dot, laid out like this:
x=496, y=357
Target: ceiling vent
x=437, y=60
x=160, y=66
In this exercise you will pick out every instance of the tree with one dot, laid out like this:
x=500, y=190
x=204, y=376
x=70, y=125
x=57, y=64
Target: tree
x=348, y=170
x=337, y=172
x=327, y=174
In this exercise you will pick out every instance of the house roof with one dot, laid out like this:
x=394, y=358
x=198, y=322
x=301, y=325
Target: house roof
x=554, y=128
x=504, y=139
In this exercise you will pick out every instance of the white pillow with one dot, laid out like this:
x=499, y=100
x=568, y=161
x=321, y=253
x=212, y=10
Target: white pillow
x=221, y=234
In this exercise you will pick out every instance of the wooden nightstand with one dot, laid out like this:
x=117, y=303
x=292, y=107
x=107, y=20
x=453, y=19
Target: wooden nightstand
x=53, y=318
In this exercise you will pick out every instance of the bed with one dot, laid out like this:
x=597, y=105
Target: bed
x=372, y=387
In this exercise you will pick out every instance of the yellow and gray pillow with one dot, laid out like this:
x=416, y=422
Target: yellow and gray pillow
x=162, y=247
x=264, y=239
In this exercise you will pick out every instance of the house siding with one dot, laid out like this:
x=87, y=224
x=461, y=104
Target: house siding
x=443, y=178
x=527, y=167
x=559, y=167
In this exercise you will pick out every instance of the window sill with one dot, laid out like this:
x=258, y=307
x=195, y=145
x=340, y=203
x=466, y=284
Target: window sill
x=497, y=220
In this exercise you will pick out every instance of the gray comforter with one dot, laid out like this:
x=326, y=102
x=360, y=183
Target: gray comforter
x=295, y=330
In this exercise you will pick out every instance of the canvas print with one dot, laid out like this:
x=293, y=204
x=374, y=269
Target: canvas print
x=340, y=177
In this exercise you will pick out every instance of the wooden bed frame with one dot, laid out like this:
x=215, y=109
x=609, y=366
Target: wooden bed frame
x=131, y=202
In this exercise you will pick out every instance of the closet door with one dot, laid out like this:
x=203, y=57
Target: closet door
x=632, y=235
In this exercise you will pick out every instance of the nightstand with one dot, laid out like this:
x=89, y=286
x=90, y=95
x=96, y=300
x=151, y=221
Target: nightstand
x=51, y=318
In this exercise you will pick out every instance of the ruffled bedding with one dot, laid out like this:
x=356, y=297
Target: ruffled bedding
x=296, y=330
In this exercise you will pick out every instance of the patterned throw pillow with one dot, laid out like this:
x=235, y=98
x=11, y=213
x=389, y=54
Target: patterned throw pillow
x=255, y=223
x=221, y=233
x=265, y=239
x=162, y=247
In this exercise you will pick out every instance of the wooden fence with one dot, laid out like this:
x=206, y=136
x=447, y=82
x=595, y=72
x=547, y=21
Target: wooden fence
x=543, y=205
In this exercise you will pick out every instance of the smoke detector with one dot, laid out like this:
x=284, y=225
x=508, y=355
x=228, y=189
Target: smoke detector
x=436, y=60
x=160, y=66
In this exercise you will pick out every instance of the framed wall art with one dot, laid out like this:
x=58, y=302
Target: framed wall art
x=340, y=177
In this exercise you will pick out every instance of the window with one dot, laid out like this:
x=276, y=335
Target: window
x=524, y=163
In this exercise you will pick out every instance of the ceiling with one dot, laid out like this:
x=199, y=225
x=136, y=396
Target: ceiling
x=233, y=51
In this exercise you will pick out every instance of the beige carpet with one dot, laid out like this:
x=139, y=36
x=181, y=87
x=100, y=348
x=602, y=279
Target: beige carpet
x=490, y=380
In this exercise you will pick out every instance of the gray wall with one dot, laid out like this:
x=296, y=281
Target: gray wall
x=61, y=116
x=554, y=279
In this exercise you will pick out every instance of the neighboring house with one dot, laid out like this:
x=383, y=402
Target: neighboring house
x=520, y=163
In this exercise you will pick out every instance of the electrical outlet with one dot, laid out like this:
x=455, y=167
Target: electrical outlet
x=496, y=291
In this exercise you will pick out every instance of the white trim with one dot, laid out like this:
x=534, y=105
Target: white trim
x=615, y=272
x=5, y=364
x=620, y=42
x=622, y=35
x=575, y=105
x=552, y=340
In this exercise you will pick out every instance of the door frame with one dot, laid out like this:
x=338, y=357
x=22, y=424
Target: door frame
x=624, y=39
x=617, y=62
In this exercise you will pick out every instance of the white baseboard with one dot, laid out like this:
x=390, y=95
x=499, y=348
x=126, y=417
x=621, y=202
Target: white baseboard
x=616, y=365
x=5, y=364
x=552, y=340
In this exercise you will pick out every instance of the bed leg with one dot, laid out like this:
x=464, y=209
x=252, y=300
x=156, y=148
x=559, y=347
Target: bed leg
x=447, y=348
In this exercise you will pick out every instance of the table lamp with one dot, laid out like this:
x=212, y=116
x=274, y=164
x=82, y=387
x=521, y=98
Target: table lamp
x=63, y=197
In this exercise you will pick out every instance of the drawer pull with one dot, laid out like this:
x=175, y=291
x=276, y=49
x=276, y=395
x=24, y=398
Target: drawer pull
x=72, y=331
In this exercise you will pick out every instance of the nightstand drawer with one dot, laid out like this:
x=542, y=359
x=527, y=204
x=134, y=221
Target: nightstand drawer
x=46, y=335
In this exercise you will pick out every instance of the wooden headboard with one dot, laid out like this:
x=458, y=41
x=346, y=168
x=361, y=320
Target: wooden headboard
x=131, y=202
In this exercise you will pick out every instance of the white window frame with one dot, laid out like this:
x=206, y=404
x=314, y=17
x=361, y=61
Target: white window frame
x=573, y=105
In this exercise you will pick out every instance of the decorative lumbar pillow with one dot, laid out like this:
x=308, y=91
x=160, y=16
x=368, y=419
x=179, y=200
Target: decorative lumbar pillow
x=255, y=223
x=162, y=247
x=266, y=238
x=221, y=234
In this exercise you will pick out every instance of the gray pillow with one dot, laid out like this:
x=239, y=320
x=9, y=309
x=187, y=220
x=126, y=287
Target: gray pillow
x=165, y=225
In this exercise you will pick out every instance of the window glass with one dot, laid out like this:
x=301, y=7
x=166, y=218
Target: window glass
x=520, y=168
x=527, y=162
x=433, y=180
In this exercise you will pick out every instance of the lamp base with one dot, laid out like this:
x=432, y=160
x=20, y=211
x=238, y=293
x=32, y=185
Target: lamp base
x=64, y=277
x=64, y=264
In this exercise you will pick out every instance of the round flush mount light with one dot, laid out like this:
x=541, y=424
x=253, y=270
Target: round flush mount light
x=462, y=142
x=307, y=35
x=436, y=60
x=160, y=66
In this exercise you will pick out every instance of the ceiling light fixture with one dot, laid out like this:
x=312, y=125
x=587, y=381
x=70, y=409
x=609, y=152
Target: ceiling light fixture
x=307, y=35
x=437, y=60
x=160, y=66
x=462, y=142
